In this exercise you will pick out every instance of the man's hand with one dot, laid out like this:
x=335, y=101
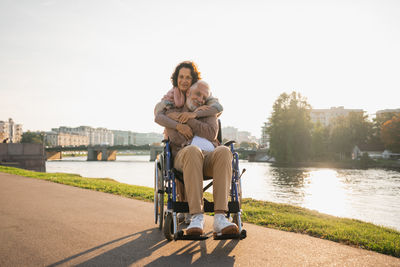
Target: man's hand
x=185, y=116
x=174, y=116
x=185, y=130
x=203, y=107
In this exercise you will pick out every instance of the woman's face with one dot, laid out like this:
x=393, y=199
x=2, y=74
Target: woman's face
x=184, y=79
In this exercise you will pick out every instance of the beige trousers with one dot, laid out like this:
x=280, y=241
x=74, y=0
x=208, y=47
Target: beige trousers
x=195, y=164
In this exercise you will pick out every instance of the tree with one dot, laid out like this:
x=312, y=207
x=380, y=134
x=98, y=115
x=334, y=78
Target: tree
x=348, y=131
x=378, y=122
x=319, y=142
x=253, y=146
x=245, y=145
x=390, y=134
x=31, y=137
x=289, y=128
x=248, y=145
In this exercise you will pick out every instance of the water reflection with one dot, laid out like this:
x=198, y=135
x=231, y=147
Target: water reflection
x=369, y=195
x=288, y=176
x=325, y=192
x=318, y=189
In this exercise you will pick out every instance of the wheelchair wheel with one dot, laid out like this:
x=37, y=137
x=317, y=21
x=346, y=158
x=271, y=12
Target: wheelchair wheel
x=169, y=227
x=159, y=192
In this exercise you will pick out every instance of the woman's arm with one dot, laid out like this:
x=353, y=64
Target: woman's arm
x=207, y=129
x=162, y=106
x=214, y=108
x=210, y=111
x=165, y=121
x=214, y=102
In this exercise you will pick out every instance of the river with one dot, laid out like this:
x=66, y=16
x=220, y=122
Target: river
x=369, y=195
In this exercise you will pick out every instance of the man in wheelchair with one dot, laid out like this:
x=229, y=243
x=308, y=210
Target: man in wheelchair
x=197, y=154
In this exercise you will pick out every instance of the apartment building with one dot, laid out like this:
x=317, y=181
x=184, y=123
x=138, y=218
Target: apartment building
x=326, y=116
x=10, y=132
x=147, y=138
x=66, y=139
x=124, y=138
x=232, y=133
x=264, y=142
x=96, y=136
x=385, y=112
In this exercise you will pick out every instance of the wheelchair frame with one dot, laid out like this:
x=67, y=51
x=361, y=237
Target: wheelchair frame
x=165, y=183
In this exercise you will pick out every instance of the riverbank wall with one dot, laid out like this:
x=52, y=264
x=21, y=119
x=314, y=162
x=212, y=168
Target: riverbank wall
x=25, y=156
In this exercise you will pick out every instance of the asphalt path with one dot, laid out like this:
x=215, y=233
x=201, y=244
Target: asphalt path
x=49, y=224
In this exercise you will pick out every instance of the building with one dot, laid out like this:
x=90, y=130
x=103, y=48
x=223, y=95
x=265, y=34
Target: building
x=373, y=151
x=10, y=132
x=387, y=113
x=124, y=138
x=326, y=116
x=96, y=136
x=147, y=138
x=53, y=139
x=232, y=133
x=264, y=142
x=131, y=138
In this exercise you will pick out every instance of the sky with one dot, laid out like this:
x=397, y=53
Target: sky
x=107, y=63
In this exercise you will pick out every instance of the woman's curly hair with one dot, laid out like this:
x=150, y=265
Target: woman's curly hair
x=193, y=71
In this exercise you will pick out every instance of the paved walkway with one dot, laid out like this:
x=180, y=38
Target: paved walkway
x=49, y=224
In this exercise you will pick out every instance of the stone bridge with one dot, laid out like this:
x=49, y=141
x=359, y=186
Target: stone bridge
x=94, y=153
x=102, y=153
x=259, y=155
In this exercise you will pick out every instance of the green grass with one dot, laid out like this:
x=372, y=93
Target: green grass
x=278, y=216
x=300, y=220
x=104, y=184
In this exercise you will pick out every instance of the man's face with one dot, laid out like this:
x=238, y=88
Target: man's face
x=184, y=79
x=197, y=97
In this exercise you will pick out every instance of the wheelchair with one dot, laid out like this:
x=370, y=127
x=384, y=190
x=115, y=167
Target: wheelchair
x=165, y=179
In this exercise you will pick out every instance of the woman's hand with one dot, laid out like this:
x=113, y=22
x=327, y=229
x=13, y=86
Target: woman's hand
x=174, y=116
x=185, y=116
x=203, y=107
x=185, y=130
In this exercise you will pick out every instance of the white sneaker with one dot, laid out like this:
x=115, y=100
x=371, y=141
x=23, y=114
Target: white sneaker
x=196, y=225
x=223, y=227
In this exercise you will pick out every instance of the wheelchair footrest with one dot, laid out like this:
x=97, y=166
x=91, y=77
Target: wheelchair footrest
x=240, y=236
x=208, y=206
x=181, y=236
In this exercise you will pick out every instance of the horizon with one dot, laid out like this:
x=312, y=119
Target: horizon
x=227, y=126
x=107, y=64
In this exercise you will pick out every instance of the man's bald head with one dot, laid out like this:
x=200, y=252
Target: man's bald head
x=198, y=94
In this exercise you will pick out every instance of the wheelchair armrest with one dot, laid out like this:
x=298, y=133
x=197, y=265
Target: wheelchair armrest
x=229, y=143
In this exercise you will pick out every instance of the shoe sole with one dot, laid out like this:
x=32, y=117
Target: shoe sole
x=229, y=230
x=194, y=231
